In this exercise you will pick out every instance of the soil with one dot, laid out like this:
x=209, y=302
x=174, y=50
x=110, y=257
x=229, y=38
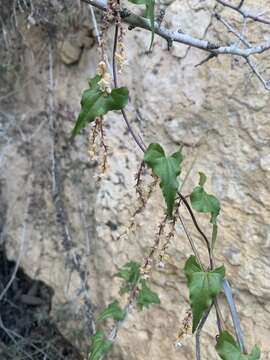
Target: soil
x=26, y=330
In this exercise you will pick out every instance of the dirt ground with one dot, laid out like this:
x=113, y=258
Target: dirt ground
x=26, y=330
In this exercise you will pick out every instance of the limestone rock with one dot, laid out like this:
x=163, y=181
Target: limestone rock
x=70, y=53
x=73, y=44
x=221, y=115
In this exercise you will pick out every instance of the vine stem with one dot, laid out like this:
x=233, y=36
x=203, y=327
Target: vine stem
x=198, y=332
x=227, y=288
x=236, y=322
x=220, y=321
x=183, y=198
x=130, y=129
x=191, y=242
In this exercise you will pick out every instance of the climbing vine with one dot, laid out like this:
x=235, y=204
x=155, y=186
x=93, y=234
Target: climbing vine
x=205, y=281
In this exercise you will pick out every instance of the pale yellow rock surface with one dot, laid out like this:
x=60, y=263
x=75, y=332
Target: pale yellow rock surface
x=218, y=111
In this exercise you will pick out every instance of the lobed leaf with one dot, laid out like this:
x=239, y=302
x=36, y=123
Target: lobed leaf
x=99, y=346
x=167, y=169
x=96, y=103
x=113, y=311
x=203, y=287
x=130, y=273
x=146, y=296
x=203, y=202
x=228, y=349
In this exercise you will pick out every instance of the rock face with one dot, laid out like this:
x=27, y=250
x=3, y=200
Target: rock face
x=73, y=45
x=71, y=232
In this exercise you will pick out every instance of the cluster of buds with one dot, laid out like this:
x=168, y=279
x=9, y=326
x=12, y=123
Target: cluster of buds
x=143, y=194
x=146, y=269
x=106, y=79
x=120, y=54
x=96, y=131
x=163, y=258
x=92, y=152
x=184, y=330
x=138, y=178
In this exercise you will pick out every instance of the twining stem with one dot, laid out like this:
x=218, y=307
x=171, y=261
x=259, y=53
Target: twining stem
x=140, y=144
x=198, y=229
x=191, y=242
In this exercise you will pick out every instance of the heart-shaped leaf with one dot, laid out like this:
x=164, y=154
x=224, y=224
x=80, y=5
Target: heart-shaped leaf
x=228, y=349
x=203, y=287
x=146, y=296
x=167, y=169
x=113, y=311
x=203, y=202
x=96, y=103
x=99, y=346
x=130, y=273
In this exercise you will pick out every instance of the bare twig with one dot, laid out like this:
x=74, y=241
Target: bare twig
x=266, y=83
x=51, y=116
x=176, y=36
x=241, y=4
x=232, y=30
x=97, y=33
x=245, y=13
x=242, y=39
x=205, y=60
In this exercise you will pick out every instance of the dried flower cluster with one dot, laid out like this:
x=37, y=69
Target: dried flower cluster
x=184, y=329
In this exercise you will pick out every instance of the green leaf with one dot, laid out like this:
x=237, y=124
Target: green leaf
x=138, y=2
x=203, y=179
x=96, y=103
x=99, y=346
x=112, y=311
x=203, y=202
x=167, y=169
x=228, y=349
x=214, y=236
x=146, y=296
x=150, y=15
x=130, y=273
x=203, y=287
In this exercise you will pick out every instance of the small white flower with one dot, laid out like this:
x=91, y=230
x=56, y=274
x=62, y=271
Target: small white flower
x=178, y=344
x=161, y=265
